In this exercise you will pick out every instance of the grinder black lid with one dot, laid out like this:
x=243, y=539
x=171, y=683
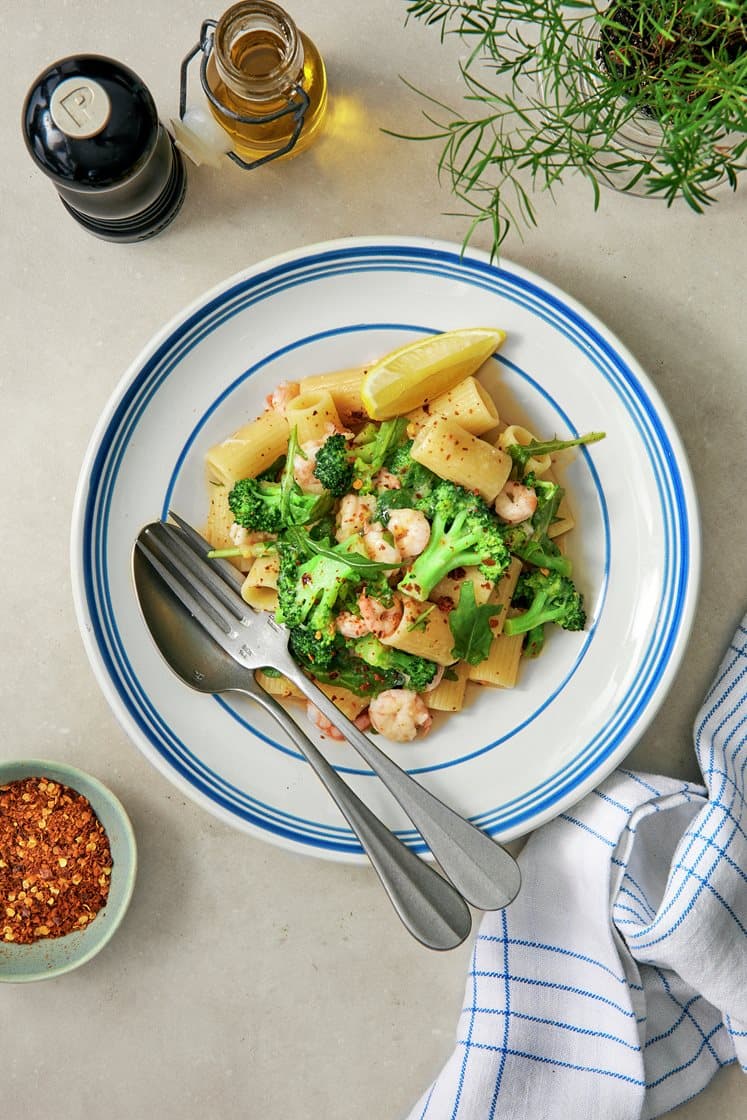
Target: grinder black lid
x=92, y=127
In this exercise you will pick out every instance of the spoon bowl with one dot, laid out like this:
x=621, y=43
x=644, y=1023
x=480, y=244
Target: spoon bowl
x=430, y=907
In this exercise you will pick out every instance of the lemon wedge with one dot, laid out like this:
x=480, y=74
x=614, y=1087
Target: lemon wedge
x=414, y=374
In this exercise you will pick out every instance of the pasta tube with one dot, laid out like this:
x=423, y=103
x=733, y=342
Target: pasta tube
x=344, y=386
x=446, y=448
x=278, y=686
x=564, y=521
x=313, y=414
x=430, y=638
x=249, y=451
x=349, y=703
x=500, y=669
x=502, y=593
x=218, y=526
x=448, y=696
x=468, y=403
x=259, y=589
x=514, y=433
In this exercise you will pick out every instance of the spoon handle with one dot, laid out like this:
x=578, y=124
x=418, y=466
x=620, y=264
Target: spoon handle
x=431, y=909
x=481, y=870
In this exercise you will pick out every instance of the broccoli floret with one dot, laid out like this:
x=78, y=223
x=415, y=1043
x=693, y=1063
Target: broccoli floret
x=413, y=476
x=265, y=507
x=529, y=540
x=270, y=507
x=464, y=533
x=388, y=500
x=535, y=448
x=548, y=598
x=373, y=445
x=308, y=589
x=348, y=671
x=534, y=641
x=416, y=481
x=415, y=672
x=333, y=467
x=313, y=576
x=342, y=466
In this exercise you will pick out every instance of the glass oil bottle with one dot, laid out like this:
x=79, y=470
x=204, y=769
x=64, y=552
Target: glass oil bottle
x=265, y=81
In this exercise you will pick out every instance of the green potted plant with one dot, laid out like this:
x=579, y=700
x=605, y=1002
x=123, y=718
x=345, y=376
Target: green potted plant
x=649, y=96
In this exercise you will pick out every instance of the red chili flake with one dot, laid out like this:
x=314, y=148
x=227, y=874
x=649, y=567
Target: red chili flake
x=305, y=579
x=55, y=861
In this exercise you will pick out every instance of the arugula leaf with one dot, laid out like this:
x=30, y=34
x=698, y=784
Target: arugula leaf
x=288, y=479
x=355, y=560
x=470, y=626
x=421, y=621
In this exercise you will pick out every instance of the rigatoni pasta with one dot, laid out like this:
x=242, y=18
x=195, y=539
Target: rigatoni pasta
x=468, y=404
x=250, y=450
x=313, y=414
x=445, y=448
x=344, y=386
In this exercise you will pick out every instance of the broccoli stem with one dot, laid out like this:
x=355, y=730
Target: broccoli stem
x=537, y=614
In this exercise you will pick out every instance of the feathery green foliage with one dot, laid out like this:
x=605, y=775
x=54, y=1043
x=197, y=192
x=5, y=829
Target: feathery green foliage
x=549, y=85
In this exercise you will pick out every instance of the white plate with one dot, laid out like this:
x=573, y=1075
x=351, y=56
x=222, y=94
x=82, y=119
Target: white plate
x=511, y=760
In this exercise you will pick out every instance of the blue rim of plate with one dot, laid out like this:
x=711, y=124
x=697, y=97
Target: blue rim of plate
x=595, y=757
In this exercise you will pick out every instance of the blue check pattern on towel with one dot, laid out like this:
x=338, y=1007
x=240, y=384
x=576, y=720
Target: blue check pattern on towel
x=616, y=985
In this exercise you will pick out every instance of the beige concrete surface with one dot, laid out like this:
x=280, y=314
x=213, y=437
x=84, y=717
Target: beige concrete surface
x=247, y=981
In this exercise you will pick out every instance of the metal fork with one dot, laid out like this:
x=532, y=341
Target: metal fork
x=481, y=870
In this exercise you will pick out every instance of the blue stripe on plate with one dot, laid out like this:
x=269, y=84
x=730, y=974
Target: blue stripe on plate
x=409, y=259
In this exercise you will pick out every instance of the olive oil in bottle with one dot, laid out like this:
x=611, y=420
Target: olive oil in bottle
x=259, y=61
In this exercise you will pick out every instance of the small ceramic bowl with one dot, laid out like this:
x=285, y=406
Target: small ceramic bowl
x=52, y=956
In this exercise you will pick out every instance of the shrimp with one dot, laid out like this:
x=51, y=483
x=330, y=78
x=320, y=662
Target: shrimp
x=245, y=538
x=322, y=723
x=378, y=547
x=303, y=468
x=380, y=620
x=515, y=503
x=351, y=625
x=399, y=714
x=354, y=516
x=362, y=722
x=279, y=398
x=410, y=530
x=385, y=480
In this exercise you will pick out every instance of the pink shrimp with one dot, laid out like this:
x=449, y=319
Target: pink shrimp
x=380, y=546
x=351, y=625
x=399, y=714
x=385, y=480
x=322, y=723
x=303, y=468
x=381, y=621
x=280, y=397
x=354, y=516
x=515, y=503
x=411, y=531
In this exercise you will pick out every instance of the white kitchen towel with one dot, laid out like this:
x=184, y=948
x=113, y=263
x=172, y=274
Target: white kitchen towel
x=615, y=986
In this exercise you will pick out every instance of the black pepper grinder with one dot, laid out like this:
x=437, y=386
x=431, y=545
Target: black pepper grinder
x=92, y=127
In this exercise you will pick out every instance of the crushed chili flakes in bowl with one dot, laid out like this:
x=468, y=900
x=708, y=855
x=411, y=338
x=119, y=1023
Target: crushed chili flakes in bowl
x=55, y=861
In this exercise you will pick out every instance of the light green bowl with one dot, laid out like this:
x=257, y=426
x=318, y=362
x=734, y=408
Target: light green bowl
x=54, y=955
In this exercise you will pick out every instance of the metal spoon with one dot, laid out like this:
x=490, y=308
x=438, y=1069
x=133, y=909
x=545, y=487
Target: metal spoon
x=433, y=911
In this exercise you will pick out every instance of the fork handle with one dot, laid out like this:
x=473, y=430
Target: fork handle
x=482, y=871
x=431, y=909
